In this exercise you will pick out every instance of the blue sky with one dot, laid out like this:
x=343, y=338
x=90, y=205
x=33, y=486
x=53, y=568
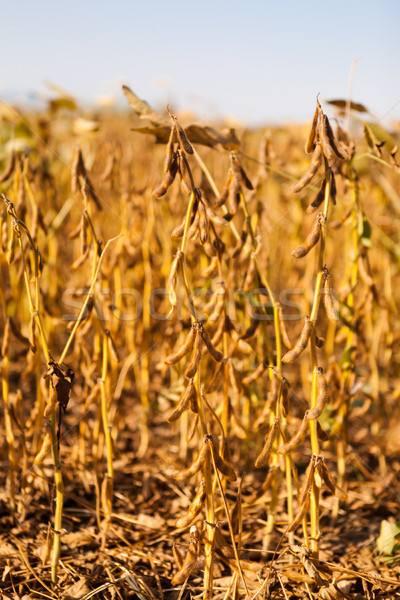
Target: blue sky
x=258, y=61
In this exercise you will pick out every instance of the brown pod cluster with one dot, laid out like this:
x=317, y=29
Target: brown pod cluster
x=301, y=343
x=312, y=238
x=262, y=458
x=323, y=396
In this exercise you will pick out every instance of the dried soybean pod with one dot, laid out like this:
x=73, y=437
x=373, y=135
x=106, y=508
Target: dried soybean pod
x=217, y=356
x=192, y=367
x=32, y=334
x=225, y=192
x=311, y=239
x=301, y=343
x=250, y=331
x=194, y=508
x=169, y=150
x=188, y=565
x=183, y=403
x=240, y=243
x=219, y=305
x=173, y=278
x=11, y=246
x=9, y=169
x=340, y=153
x=184, y=171
x=249, y=274
x=262, y=458
x=217, y=337
x=204, y=224
x=187, y=346
x=300, y=515
x=254, y=375
x=323, y=396
x=46, y=445
x=193, y=428
x=297, y=439
x=323, y=137
x=196, y=466
x=282, y=324
x=182, y=137
x=239, y=172
x=328, y=300
x=330, y=484
x=333, y=190
x=233, y=197
x=216, y=378
x=308, y=480
x=311, y=171
x=167, y=181
x=221, y=464
x=178, y=231
x=316, y=203
x=310, y=143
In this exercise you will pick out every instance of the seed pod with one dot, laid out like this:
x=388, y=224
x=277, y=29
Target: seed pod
x=330, y=484
x=83, y=234
x=254, y=375
x=262, y=458
x=217, y=337
x=225, y=192
x=323, y=396
x=250, y=331
x=340, y=153
x=318, y=199
x=192, y=367
x=328, y=300
x=333, y=190
x=217, y=356
x=308, y=480
x=169, y=150
x=221, y=464
x=182, y=137
x=240, y=243
x=204, y=225
x=184, y=171
x=311, y=171
x=193, y=428
x=219, y=305
x=196, y=466
x=178, y=231
x=9, y=169
x=301, y=343
x=45, y=447
x=75, y=171
x=310, y=143
x=194, y=508
x=297, y=439
x=300, y=515
x=187, y=346
x=233, y=198
x=323, y=137
x=167, y=181
x=240, y=173
x=188, y=565
x=216, y=378
x=282, y=326
x=183, y=403
x=173, y=278
x=32, y=334
x=311, y=239
x=11, y=246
